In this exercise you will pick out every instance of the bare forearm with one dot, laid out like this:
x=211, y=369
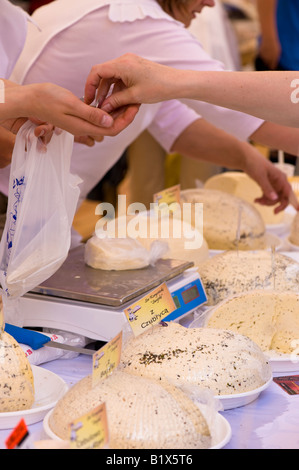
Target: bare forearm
x=271, y=96
x=204, y=142
x=277, y=137
x=267, y=16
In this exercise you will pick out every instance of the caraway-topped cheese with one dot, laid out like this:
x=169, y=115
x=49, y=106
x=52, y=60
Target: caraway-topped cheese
x=221, y=361
x=141, y=413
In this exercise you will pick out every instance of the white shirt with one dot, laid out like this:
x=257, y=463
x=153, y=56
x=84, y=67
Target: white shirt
x=76, y=35
x=13, y=30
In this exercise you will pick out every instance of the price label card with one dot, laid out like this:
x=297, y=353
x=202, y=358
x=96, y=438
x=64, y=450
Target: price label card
x=90, y=431
x=18, y=435
x=169, y=196
x=289, y=384
x=106, y=359
x=150, y=310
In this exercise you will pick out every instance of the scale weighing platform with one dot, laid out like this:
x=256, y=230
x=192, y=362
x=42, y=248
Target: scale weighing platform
x=91, y=302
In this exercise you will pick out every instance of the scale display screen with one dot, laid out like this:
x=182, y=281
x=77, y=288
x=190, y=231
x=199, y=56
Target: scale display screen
x=187, y=298
x=190, y=294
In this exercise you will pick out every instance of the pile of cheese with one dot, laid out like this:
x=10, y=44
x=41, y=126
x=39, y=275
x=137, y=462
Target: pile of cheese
x=16, y=377
x=142, y=413
x=294, y=235
x=233, y=272
x=221, y=361
x=241, y=185
x=270, y=319
x=229, y=222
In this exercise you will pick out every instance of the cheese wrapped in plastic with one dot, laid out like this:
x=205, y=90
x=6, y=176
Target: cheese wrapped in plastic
x=141, y=413
x=121, y=253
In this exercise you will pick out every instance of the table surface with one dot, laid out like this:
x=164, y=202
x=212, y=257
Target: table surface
x=269, y=422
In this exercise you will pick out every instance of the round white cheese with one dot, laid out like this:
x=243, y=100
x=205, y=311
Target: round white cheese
x=270, y=319
x=16, y=377
x=233, y=272
x=229, y=222
x=115, y=254
x=241, y=185
x=221, y=361
x=142, y=414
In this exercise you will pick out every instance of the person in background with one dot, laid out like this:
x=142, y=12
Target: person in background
x=71, y=41
x=279, y=25
x=278, y=44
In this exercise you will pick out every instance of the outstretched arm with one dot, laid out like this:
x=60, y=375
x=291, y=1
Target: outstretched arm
x=271, y=96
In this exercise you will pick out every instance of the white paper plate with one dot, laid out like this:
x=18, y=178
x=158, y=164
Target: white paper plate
x=241, y=399
x=284, y=226
x=283, y=363
x=291, y=245
x=292, y=254
x=49, y=388
x=223, y=427
x=270, y=238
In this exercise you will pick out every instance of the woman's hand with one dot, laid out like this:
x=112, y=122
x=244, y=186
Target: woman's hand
x=274, y=184
x=50, y=105
x=134, y=80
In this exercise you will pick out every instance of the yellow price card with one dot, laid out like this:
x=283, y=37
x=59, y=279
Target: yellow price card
x=90, y=431
x=150, y=310
x=106, y=359
x=169, y=196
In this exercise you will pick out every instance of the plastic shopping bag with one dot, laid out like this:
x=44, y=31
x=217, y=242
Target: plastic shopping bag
x=42, y=201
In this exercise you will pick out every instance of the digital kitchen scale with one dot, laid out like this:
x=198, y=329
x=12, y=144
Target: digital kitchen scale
x=91, y=302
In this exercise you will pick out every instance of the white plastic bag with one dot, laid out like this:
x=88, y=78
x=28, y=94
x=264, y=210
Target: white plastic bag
x=42, y=200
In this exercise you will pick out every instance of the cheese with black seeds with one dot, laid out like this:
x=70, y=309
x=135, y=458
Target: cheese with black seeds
x=221, y=361
x=232, y=272
x=16, y=377
x=142, y=413
x=221, y=215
